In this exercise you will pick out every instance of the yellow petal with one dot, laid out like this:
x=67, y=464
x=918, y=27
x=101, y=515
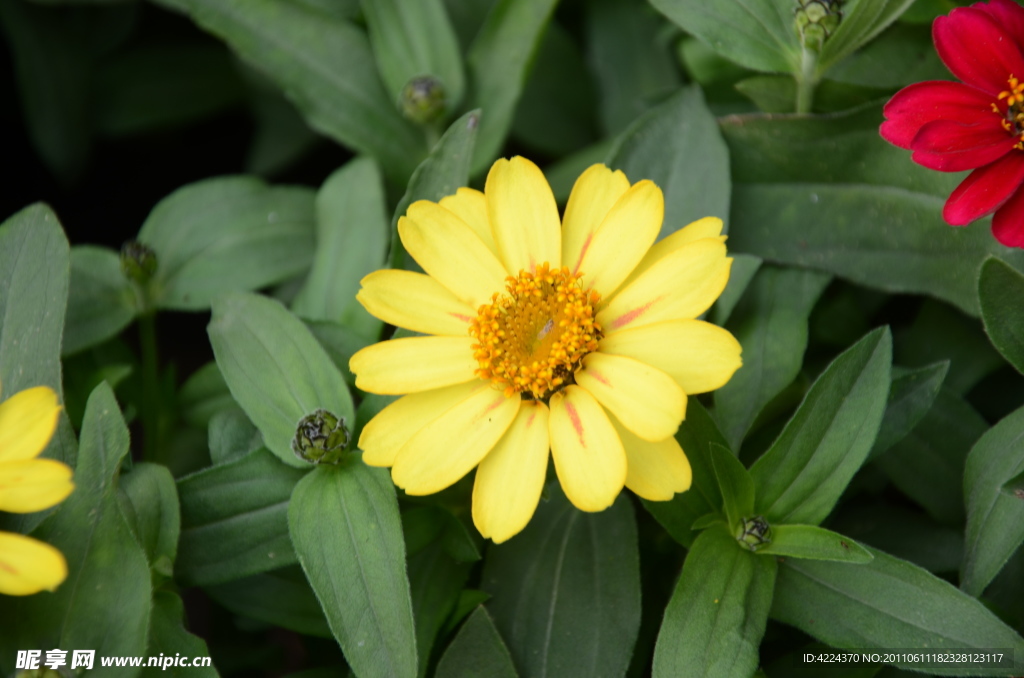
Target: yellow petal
x=523, y=215
x=448, y=249
x=385, y=434
x=510, y=479
x=708, y=227
x=623, y=238
x=416, y=302
x=30, y=485
x=683, y=284
x=655, y=471
x=470, y=205
x=698, y=355
x=413, y=364
x=450, y=446
x=588, y=454
x=27, y=422
x=29, y=566
x=593, y=194
x=644, y=399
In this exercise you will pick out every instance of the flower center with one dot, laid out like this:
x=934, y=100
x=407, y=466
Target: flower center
x=532, y=338
x=1013, y=116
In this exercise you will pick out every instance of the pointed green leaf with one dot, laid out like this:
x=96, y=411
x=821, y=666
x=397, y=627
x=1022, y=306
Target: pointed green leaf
x=280, y=597
x=715, y=620
x=813, y=543
x=770, y=322
x=911, y=395
x=498, y=62
x=234, y=519
x=801, y=477
x=150, y=505
x=861, y=22
x=344, y=523
x=226, y=234
x=276, y=369
x=661, y=146
x=101, y=301
x=903, y=532
x=168, y=637
x=735, y=484
x=759, y=34
x=995, y=517
x=351, y=241
x=477, y=650
x=888, y=603
x=435, y=582
x=232, y=436
x=324, y=65
x=566, y=591
x=1000, y=289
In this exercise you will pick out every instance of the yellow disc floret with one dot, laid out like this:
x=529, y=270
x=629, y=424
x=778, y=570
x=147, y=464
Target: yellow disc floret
x=532, y=338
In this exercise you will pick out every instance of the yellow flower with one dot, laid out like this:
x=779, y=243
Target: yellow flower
x=576, y=337
x=27, y=422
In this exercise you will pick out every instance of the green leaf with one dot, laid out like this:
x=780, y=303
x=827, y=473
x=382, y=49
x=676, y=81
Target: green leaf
x=477, y=650
x=498, y=63
x=232, y=436
x=203, y=395
x=324, y=65
x=101, y=301
x=1000, y=289
x=341, y=343
x=280, y=597
x=347, y=534
x=168, y=637
x=735, y=484
x=226, y=234
x=156, y=86
x=411, y=38
x=435, y=582
x=902, y=55
x=861, y=22
x=562, y=174
x=813, y=543
x=234, y=519
x=443, y=172
x=566, y=591
x=696, y=434
x=715, y=620
x=150, y=505
x=108, y=576
x=662, y=145
x=995, y=517
x=928, y=464
x=800, y=478
x=281, y=136
x=276, y=369
x=744, y=268
x=911, y=395
x=887, y=603
x=759, y=34
x=902, y=532
x=633, y=65
x=352, y=239
x=770, y=322
x=792, y=174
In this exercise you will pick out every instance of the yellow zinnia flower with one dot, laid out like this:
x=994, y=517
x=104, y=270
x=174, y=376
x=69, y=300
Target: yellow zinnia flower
x=576, y=337
x=27, y=422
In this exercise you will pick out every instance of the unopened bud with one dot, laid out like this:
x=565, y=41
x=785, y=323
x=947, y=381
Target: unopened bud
x=423, y=99
x=138, y=262
x=754, y=532
x=816, y=21
x=320, y=438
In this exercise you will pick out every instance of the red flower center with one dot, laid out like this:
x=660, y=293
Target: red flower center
x=1013, y=116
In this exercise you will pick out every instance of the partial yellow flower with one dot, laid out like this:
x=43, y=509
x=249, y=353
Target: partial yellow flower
x=27, y=484
x=574, y=336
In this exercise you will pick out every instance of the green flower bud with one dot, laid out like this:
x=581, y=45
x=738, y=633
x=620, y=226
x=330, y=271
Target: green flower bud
x=816, y=21
x=138, y=262
x=320, y=438
x=423, y=99
x=754, y=532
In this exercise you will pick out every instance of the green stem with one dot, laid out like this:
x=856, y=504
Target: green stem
x=806, y=81
x=150, y=387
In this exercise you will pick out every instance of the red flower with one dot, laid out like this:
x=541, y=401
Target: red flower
x=976, y=124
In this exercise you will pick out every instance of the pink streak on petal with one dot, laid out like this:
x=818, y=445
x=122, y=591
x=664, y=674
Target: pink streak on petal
x=574, y=417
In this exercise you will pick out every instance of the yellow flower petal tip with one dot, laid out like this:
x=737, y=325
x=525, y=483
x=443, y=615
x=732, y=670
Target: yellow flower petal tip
x=27, y=422
x=28, y=566
x=576, y=338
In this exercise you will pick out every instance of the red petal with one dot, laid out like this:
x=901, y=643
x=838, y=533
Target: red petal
x=1008, y=223
x=950, y=146
x=984, y=190
x=976, y=49
x=1007, y=14
x=914, y=106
